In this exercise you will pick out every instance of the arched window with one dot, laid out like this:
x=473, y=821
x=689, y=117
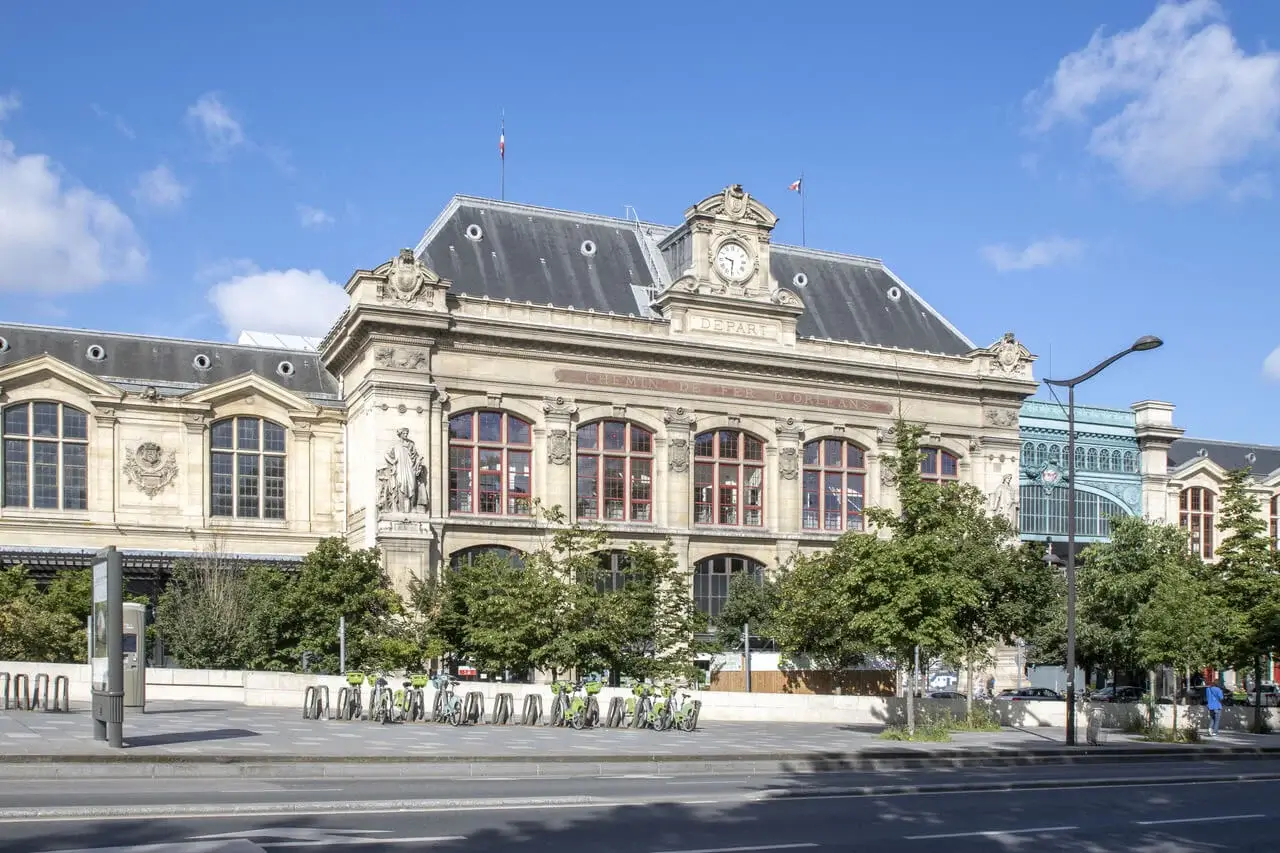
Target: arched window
x=1275, y=522
x=1130, y=462
x=1041, y=514
x=615, y=472
x=1079, y=457
x=1092, y=457
x=246, y=464
x=728, y=478
x=1028, y=454
x=467, y=556
x=1195, y=515
x=711, y=580
x=1055, y=454
x=1042, y=454
x=615, y=571
x=940, y=466
x=490, y=464
x=835, y=482
x=46, y=456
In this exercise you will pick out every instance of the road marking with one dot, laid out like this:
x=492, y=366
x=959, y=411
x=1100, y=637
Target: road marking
x=990, y=833
x=709, y=782
x=323, y=842
x=1199, y=819
x=230, y=846
x=796, y=846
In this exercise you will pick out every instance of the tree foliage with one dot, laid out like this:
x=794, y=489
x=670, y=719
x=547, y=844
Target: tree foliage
x=752, y=601
x=45, y=625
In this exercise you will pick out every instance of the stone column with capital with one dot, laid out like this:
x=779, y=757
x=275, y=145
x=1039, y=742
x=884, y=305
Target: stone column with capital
x=558, y=444
x=679, y=474
x=786, y=503
x=191, y=478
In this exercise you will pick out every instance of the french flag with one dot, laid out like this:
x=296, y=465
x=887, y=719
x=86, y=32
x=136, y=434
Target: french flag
x=795, y=185
x=502, y=141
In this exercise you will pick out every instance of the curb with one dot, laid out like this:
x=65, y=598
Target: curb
x=139, y=765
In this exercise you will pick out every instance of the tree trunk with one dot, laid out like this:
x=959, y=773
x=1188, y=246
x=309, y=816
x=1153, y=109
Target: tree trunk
x=968, y=694
x=911, y=701
x=1258, y=725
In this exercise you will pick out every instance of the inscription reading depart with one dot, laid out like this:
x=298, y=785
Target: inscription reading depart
x=717, y=325
x=724, y=390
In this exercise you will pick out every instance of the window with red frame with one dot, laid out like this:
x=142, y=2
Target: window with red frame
x=1195, y=515
x=615, y=472
x=938, y=465
x=490, y=464
x=728, y=478
x=835, y=481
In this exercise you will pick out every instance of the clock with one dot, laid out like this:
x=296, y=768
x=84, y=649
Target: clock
x=733, y=261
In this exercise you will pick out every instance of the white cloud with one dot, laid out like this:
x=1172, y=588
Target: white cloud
x=214, y=121
x=1271, y=365
x=1039, y=253
x=313, y=217
x=160, y=188
x=288, y=302
x=1171, y=104
x=57, y=238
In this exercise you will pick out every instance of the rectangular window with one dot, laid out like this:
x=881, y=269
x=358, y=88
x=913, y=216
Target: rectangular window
x=853, y=501
x=517, y=432
x=587, y=436
x=833, y=501
x=831, y=453
x=273, y=487
x=247, y=482
x=460, y=479
x=247, y=434
x=588, y=488
x=1208, y=535
x=641, y=441
x=753, y=497
x=728, y=445
x=811, y=453
x=519, y=500
x=75, y=476
x=44, y=420
x=44, y=474
x=490, y=428
x=222, y=484
x=223, y=435
x=753, y=449
x=812, y=500
x=460, y=427
x=949, y=465
x=615, y=435
x=1208, y=501
x=489, y=491
x=929, y=461
x=272, y=438
x=615, y=488
x=704, y=445
x=641, y=490
x=15, y=421
x=1195, y=500
x=16, y=486
x=703, y=493
x=728, y=493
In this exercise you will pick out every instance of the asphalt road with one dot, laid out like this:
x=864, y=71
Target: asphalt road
x=655, y=815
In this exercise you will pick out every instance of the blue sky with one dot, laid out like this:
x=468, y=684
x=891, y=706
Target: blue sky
x=1080, y=173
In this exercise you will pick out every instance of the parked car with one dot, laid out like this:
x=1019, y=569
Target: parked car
x=945, y=694
x=1031, y=694
x=1195, y=696
x=1117, y=694
x=1270, y=696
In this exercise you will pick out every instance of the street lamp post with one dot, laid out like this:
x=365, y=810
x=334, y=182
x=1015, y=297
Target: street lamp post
x=1146, y=342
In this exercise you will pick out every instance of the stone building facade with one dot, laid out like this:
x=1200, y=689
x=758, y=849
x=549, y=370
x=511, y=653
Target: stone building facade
x=696, y=383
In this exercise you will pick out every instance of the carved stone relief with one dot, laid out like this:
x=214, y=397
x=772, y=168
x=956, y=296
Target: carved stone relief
x=558, y=406
x=1003, y=418
x=678, y=417
x=404, y=359
x=678, y=456
x=402, y=480
x=789, y=462
x=558, y=450
x=888, y=477
x=149, y=468
x=1008, y=356
x=1004, y=500
x=407, y=280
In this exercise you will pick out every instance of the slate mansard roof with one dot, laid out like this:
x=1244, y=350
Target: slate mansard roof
x=1263, y=459
x=172, y=366
x=504, y=250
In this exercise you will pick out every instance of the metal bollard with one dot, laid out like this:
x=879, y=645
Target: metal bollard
x=5, y=678
x=62, y=691
x=22, y=692
x=473, y=707
x=503, y=708
x=40, y=692
x=617, y=711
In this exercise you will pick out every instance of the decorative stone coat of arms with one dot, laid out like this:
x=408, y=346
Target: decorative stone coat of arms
x=678, y=459
x=150, y=469
x=1008, y=355
x=789, y=463
x=558, y=450
x=407, y=279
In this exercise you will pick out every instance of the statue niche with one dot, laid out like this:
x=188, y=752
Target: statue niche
x=402, y=480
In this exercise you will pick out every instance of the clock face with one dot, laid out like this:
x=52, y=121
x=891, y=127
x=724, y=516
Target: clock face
x=733, y=261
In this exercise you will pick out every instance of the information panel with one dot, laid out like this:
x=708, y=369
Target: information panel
x=99, y=663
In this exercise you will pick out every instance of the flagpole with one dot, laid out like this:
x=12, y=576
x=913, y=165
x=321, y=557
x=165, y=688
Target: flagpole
x=802, y=230
x=502, y=157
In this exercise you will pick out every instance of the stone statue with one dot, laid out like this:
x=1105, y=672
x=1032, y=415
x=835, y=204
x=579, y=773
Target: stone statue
x=1004, y=500
x=401, y=482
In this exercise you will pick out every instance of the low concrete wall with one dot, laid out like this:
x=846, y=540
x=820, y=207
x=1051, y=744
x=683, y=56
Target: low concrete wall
x=285, y=690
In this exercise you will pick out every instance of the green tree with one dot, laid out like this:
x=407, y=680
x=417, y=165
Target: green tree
x=652, y=622
x=1250, y=579
x=46, y=625
x=751, y=601
x=203, y=614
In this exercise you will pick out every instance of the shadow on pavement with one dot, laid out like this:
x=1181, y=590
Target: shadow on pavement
x=187, y=737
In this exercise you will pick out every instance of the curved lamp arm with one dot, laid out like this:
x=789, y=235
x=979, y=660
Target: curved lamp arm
x=1146, y=342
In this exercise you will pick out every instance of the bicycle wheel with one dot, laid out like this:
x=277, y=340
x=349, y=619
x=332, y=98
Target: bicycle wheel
x=686, y=722
x=455, y=713
x=578, y=720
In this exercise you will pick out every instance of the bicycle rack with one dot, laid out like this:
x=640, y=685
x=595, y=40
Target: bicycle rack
x=532, y=712
x=5, y=678
x=62, y=694
x=315, y=702
x=22, y=692
x=344, y=695
x=556, y=717
x=503, y=709
x=39, y=693
x=617, y=712
x=473, y=707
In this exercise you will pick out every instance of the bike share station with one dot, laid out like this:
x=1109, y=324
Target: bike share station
x=573, y=704
x=117, y=652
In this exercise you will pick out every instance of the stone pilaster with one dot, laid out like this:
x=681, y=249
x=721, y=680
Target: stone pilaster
x=300, y=498
x=785, y=507
x=104, y=495
x=679, y=470
x=192, y=478
x=557, y=452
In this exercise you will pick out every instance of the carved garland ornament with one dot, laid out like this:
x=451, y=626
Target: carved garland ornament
x=148, y=468
x=1002, y=417
x=401, y=359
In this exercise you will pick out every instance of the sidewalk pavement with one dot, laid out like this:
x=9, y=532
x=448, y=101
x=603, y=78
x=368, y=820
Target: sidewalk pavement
x=186, y=734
